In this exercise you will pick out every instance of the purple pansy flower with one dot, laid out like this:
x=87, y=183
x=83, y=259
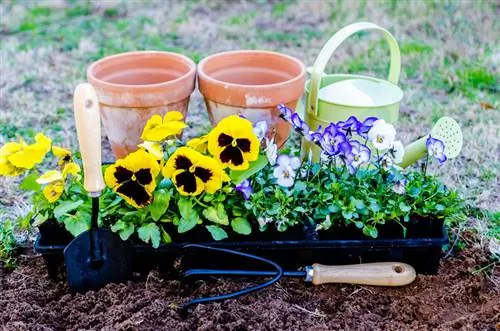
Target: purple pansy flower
x=244, y=188
x=349, y=126
x=330, y=143
x=435, y=148
x=365, y=126
x=286, y=113
x=400, y=186
x=331, y=129
x=358, y=154
x=298, y=123
x=314, y=136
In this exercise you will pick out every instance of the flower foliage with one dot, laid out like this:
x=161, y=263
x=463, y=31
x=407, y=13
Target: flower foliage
x=234, y=179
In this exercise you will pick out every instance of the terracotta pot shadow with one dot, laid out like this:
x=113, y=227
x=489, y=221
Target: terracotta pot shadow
x=134, y=86
x=251, y=83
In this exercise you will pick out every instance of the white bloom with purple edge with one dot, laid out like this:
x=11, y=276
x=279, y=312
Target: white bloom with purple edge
x=271, y=152
x=435, y=148
x=358, y=154
x=397, y=151
x=382, y=134
x=400, y=186
x=260, y=129
x=285, y=170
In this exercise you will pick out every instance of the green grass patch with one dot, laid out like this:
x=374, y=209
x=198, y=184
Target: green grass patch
x=415, y=47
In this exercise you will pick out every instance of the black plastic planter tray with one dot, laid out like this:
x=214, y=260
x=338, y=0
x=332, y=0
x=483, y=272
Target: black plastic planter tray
x=291, y=250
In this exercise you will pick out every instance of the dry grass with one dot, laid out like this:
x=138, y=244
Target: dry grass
x=450, y=63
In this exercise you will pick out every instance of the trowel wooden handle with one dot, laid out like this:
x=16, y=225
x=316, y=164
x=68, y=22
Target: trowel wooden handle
x=379, y=274
x=88, y=129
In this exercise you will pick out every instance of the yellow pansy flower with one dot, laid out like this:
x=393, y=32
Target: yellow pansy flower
x=134, y=178
x=62, y=154
x=233, y=143
x=17, y=157
x=53, y=191
x=55, y=180
x=153, y=148
x=7, y=168
x=159, y=129
x=192, y=172
x=199, y=144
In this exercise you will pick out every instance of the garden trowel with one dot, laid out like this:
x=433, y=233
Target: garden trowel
x=97, y=256
x=447, y=130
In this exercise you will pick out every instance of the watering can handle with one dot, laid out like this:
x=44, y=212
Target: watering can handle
x=327, y=51
x=88, y=129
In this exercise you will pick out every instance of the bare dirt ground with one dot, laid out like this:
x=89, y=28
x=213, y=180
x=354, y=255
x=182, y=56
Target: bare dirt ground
x=455, y=299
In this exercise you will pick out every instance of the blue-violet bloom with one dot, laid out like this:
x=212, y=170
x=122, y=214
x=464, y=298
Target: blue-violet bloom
x=286, y=113
x=358, y=155
x=244, y=188
x=365, y=126
x=435, y=148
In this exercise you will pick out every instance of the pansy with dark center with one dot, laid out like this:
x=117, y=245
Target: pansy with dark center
x=133, y=178
x=234, y=143
x=192, y=172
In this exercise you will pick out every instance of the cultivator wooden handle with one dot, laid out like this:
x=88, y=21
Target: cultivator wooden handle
x=88, y=124
x=379, y=274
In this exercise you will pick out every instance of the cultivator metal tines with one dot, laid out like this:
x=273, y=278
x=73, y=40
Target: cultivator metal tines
x=378, y=274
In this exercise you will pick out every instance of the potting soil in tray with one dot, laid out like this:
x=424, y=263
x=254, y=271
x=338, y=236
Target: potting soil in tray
x=292, y=249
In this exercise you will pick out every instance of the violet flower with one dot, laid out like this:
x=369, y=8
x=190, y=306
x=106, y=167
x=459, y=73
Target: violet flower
x=365, y=126
x=349, y=126
x=400, y=186
x=244, y=188
x=330, y=143
x=314, y=136
x=331, y=129
x=435, y=148
x=285, y=112
x=358, y=155
x=298, y=123
x=285, y=170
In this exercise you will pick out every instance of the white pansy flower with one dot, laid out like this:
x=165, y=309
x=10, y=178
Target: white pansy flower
x=386, y=162
x=271, y=151
x=397, y=151
x=260, y=129
x=382, y=134
x=285, y=170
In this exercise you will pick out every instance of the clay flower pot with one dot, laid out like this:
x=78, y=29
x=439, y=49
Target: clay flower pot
x=134, y=86
x=251, y=83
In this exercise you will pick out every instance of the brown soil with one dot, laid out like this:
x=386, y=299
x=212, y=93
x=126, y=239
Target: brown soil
x=453, y=299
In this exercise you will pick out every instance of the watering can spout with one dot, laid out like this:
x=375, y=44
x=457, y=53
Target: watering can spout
x=414, y=152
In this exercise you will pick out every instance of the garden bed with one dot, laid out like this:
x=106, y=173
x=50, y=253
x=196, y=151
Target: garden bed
x=453, y=299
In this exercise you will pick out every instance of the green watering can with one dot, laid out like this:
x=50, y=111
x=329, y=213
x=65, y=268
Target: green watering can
x=335, y=97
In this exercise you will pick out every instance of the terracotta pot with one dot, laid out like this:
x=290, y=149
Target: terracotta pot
x=251, y=83
x=134, y=86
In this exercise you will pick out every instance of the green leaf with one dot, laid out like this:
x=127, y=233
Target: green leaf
x=216, y=232
x=29, y=183
x=371, y=231
x=404, y=207
x=239, y=176
x=40, y=219
x=241, y=225
x=65, y=207
x=218, y=215
x=77, y=223
x=189, y=216
x=165, y=236
x=150, y=233
x=160, y=204
x=124, y=229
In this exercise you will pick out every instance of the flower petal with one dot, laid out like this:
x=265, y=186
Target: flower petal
x=173, y=116
x=49, y=177
x=53, y=191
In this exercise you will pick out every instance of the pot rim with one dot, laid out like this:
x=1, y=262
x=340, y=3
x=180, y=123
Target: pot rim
x=136, y=87
x=203, y=75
